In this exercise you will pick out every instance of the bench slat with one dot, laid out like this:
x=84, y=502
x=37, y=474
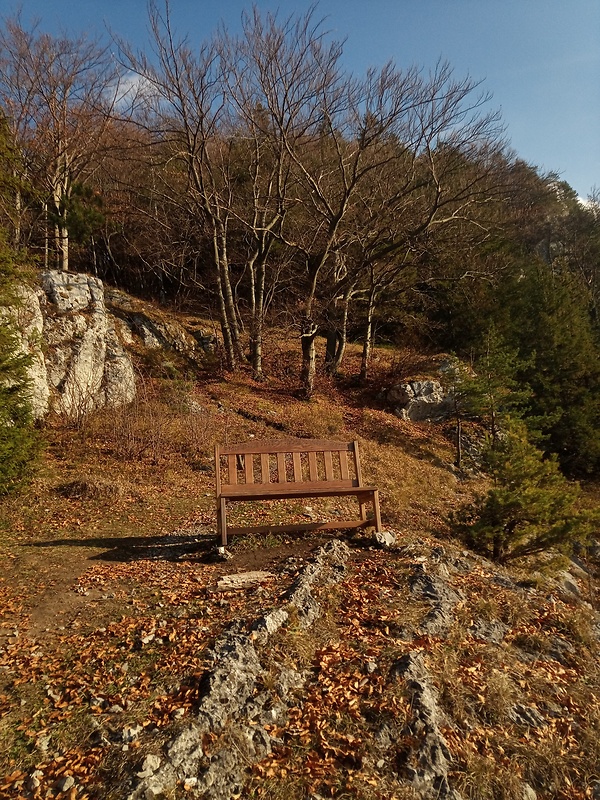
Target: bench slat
x=281, y=476
x=312, y=466
x=286, y=446
x=328, y=465
x=255, y=491
x=344, y=465
x=297, y=467
x=249, y=467
x=265, y=472
x=232, y=468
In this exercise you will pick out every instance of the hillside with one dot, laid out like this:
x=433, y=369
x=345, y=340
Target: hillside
x=425, y=671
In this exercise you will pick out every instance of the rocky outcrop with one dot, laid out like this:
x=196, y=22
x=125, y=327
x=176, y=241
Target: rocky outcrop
x=419, y=401
x=77, y=333
x=234, y=707
x=156, y=332
x=78, y=360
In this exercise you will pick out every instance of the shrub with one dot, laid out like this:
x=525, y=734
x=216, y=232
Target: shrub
x=530, y=508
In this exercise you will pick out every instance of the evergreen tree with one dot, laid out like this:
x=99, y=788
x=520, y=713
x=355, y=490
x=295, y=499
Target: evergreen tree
x=18, y=439
x=551, y=326
x=495, y=389
x=530, y=508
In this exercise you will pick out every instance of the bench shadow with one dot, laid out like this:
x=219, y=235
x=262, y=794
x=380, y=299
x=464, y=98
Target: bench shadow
x=169, y=547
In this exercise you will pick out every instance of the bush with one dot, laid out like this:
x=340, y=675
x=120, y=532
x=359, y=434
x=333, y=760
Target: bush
x=530, y=508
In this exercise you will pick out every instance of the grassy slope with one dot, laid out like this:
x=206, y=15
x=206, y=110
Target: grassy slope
x=108, y=605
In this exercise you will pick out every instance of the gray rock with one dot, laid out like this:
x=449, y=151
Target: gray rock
x=385, y=539
x=442, y=597
x=529, y=792
x=430, y=763
x=149, y=766
x=526, y=715
x=77, y=360
x=492, y=631
x=418, y=401
x=65, y=783
x=568, y=583
x=130, y=733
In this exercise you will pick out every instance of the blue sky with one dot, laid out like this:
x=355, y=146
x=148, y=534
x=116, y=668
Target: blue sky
x=540, y=59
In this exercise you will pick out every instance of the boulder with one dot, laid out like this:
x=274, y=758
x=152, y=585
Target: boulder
x=418, y=401
x=78, y=362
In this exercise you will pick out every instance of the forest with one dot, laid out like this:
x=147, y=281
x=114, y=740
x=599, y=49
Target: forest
x=332, y=235
x=256, y=179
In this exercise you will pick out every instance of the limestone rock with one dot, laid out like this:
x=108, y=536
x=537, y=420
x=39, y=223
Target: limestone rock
x=385, y=539
x=30, y=326
x=418, y=401
x=78, y=360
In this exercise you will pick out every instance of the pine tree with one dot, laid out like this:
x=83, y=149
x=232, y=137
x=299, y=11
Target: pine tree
x=530, y=508
x=18, y=439
x=551, y=326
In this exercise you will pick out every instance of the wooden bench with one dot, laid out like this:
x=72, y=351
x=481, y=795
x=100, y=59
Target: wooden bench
x=290, y=469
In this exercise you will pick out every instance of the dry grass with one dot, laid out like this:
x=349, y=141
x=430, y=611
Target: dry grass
x=92, y=535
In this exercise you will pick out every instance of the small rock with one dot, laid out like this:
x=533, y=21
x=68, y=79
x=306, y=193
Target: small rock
x=529, y=792
x=177, y=713
x=371, y=667
x=526, y=715
x=243, y=580
x=34, y=780
x=116, y=709
x=221, y=554
x=65, y=783
x=385, y=539
x=131, y=732
x=149, y=766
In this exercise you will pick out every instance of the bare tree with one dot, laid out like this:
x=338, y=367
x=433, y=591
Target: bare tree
x=58, y=95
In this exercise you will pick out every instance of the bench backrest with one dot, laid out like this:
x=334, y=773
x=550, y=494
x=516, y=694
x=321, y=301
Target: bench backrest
x=291, y=461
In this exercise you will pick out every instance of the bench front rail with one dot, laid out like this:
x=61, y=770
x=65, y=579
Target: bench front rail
x=291, y=469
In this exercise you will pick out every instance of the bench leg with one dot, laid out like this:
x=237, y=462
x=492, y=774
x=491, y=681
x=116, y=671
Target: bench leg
x=222, y=521
x=363, y=510
x=377, y=511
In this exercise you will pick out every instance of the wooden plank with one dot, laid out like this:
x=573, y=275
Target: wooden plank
x=285, y=446
x=265, y=471
x=280, y=491
x=249, y=468
x=345, y=474
x=281, y=476
x=297, y=467
x=328, y=465
x=217, y=471
x=338, y=524
x=312, y=467
x=357, y=463
x=232, y=468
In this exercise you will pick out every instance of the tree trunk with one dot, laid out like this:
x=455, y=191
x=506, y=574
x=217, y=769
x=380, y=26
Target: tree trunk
x=458, y=442
x=230, y=357
x=228, y=300
x=337, y=337
x=368, y=341
x=309, y=365
x=257, y=288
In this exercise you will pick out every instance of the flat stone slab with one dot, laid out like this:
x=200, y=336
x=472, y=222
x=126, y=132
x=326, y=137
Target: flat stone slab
x=243, y=580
